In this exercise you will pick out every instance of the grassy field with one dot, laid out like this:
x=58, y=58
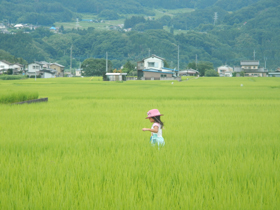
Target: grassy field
x=84, y=149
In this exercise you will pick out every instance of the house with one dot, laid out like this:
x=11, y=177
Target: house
x=4, y=66
x=189, y=72
x=250, y=68
x=17, y=68
x=48, y=73
x=34, y=68
x=59, y=68
x=18, y=26
x=115, y=77
x=225, y=71
x=44, y=64
x=275, y=73
x=152, y=68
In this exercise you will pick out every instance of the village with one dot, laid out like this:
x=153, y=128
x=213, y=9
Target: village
x=149, y=68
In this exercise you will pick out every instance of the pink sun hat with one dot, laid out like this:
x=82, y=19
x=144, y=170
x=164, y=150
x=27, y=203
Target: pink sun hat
x=153, y=113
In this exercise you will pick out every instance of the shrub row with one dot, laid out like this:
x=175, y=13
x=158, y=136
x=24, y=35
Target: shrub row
x=18, y=97
x=12, y=77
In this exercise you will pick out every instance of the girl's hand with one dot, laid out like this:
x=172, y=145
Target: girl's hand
x=145, y=129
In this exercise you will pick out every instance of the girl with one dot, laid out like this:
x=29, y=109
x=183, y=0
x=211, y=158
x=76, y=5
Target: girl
x=156, y=130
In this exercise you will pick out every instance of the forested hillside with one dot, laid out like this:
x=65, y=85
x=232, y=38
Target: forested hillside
x=240, y=28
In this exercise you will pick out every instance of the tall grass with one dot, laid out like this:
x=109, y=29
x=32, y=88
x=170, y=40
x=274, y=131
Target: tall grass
x=18, y=97
x=84, y=149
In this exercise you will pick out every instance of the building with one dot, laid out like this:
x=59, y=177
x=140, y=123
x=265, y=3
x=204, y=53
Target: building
x=250, y=69
x=59, y=68
x=152, y=68
x=34, y=68
x=47, y=73
x=225, y=71
x=78, y=72
x=115, y=77
x=189, y=72
x=275, y=73
x=18, y=26
x=4, y=66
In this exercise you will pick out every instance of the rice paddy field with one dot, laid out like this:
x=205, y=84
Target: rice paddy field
x=85, y=148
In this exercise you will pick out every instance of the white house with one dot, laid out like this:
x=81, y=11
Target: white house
x=225, y=71
x=4, y=66
x=33, y=68
x=152, y=68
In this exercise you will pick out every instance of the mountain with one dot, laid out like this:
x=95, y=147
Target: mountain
x=240, y=28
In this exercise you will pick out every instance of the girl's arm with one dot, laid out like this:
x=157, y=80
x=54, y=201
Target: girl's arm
x=155, y=130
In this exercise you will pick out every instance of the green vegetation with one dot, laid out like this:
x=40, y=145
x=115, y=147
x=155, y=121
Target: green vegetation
x=12, y=77
x=211, y=73
x=18, y=97
x=84, y=149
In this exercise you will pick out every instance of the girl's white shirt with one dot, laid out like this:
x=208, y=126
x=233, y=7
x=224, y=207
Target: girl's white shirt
x=159, y=133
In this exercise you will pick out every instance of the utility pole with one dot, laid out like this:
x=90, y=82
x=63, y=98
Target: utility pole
x=196, y=61
x=106, y=62
x=71, y=59
x=77, y=23
x=265, y=59
x=215, y=18
x=149, y=52
x=254, y=54
x=178, y=59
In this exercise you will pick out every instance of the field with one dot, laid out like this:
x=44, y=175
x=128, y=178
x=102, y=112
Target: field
x=84, y=149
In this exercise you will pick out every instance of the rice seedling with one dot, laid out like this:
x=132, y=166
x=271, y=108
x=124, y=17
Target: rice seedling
x=84, y=149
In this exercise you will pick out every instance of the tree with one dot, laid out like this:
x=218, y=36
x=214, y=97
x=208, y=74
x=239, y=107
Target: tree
x=166, y=65
x=201, y=66
x=109, y=15
x=128, y=67
x=211, y=73
x=95, y=66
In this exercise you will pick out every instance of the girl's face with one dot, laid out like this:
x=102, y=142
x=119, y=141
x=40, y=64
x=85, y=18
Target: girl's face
x=151, y=119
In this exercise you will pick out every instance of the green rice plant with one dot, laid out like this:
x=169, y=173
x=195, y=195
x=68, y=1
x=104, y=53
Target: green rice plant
x=12, y=77
x=18, y=97
x=84, y=149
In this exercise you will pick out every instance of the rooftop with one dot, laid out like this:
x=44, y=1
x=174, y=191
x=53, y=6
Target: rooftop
x=153, y=56
x=250, y=63
x=157, y=71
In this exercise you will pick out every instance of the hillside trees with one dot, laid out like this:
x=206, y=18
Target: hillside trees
x=10, y=58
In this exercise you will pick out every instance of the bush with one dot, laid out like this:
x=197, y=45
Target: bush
x=12, y=77
x=18, y=97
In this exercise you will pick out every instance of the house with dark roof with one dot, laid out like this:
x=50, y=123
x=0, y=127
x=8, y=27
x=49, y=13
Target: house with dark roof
x=152, y=68
x=250, y=68
x=274, y=73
